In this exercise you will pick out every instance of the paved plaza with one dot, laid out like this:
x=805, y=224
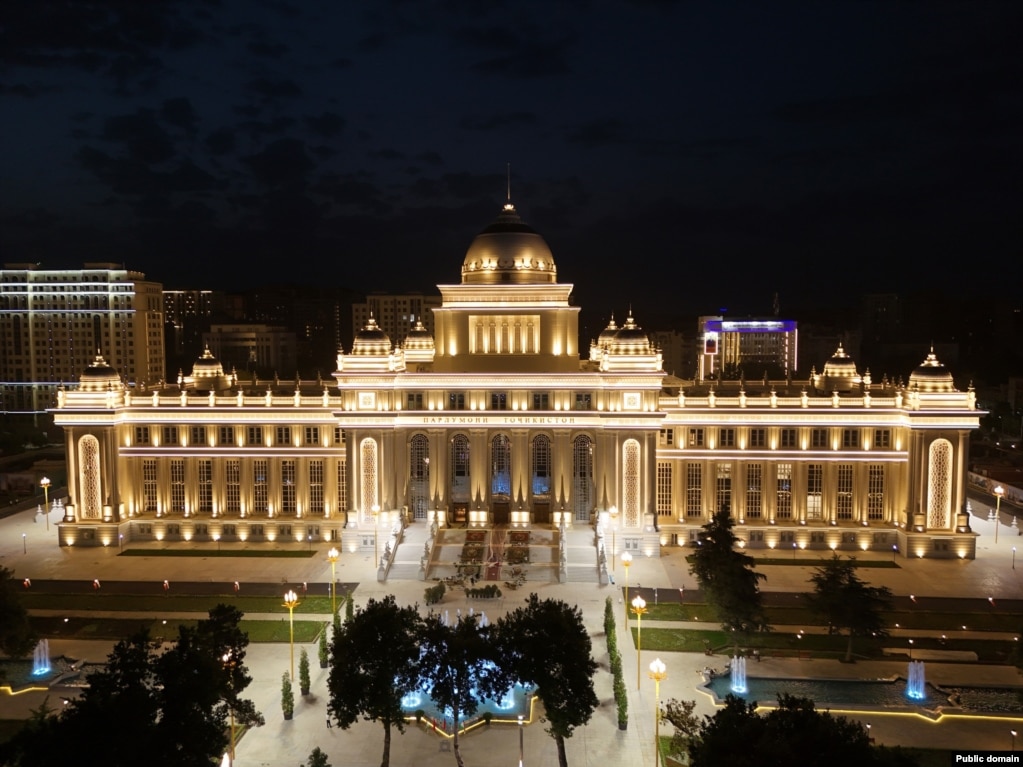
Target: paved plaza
x=26, y=548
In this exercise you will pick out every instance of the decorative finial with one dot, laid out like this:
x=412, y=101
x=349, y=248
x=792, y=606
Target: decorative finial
x=508, y=172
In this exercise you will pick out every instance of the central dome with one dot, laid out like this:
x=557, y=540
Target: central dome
x=508, y=251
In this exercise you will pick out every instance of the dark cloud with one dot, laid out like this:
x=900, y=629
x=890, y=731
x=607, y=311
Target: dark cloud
x=142, y=137
x=342, y=63
x=257, y=130
x=271, y=90
x=498, y=120
x=282, y=163
x=387, y=154
x=129, y=176
x=532, y=60
x=430, y=158
x=326, y=124
x=181, y=114
x=602, y=132
x=267, y=50
x=221, y=141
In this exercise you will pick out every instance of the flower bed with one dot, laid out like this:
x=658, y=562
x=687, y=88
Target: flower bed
x=476, y=536
x=519, y=536
x=472, y=552
x=517, y=555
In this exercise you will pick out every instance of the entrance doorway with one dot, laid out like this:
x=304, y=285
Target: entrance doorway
x=502, y=512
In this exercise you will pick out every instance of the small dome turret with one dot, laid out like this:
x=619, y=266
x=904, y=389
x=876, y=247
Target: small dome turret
x=371, y=340
x=100, y=376
x=931, y=376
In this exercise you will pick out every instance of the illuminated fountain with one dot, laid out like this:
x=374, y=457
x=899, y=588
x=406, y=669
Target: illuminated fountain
x=738, y=674
x=41, y=658
x=511, y=703
x=915, y=684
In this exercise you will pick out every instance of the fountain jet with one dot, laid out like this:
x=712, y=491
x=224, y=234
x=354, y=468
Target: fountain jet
x=915, y=684
x=738, y=674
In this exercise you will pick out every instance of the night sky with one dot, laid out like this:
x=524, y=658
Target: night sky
x=675, y=155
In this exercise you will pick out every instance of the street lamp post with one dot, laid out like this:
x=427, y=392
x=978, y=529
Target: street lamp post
x=332, y=556
x=24, y=543
x=229, y=663
x=639, y=607
x=291, y=602
x=1013, y=734
x=521, y=725
x=626, y=561
x=376, y=547
x=44, y=483
x=1013, y=557
x=613, y=512
x=658, y=672
x=999, y=492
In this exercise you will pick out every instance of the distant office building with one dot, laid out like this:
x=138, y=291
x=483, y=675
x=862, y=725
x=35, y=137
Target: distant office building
x=672, y=347
x=396, y=313
x=251, y=348
x=54, y=322
x=187, y=315
x=747, y=347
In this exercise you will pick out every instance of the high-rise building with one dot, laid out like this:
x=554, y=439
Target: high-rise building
x=396, y=313
x=496, y=420
x=747, y=347
x=54, y=322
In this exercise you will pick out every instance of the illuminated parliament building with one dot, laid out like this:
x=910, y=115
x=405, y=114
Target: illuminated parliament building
x=497, y=419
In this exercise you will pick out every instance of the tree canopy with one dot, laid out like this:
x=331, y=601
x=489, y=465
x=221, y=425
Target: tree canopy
x=549, y=648
x=793, y=733
x=846, y=602
x=375, y=661
x=728, y=576
x=151, y=706
x=461, y=668
x=16, y=635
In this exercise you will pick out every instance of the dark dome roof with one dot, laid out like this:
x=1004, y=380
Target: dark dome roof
x=371, y=340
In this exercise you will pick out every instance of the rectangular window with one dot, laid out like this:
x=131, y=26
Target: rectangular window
x=141, y=435
x=819, y=438
x=758, y=437
x=198, y=436
x=456, y=401
x=283, y=435
x=726, y=438
x=254, y=435
x=177, y=477
x=541, y=401
x=205, y=485
x=850, y=438
x=316, y=487
x=875, y=492
x=260, y=495
x=233, y=487
x=783, y=491
x=149, y=487
x=312, y=435
x=288, y=487
x=883, y=438
x=339, y=435
x=414, y=400
x=696, y=438
x=170, y=436
x=583, y=401
x=666, y=437
x=724, y=487
x=788, y=437
x=226, y=435
x=694, y=490
x=844, y=501
x=814, y=488
x=754, y=490
x=498, y=400
x=664, y=499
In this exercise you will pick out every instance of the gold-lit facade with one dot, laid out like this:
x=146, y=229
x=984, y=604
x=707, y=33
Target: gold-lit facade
x=496, y=418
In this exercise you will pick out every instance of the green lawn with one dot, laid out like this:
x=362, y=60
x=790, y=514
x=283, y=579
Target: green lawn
x=791, y=644
x=180, y=603
x=119, y=628
x=221, y=553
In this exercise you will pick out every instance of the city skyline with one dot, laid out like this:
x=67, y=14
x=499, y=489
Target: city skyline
x=670, y=153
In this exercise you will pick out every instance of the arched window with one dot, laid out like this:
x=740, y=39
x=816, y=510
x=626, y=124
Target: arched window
x=582, y=478
x=541, y=466
x=630, y=478
x=370, y=498
x=939, y=484
x=89, y=479
x=500, y=467
x=460, y=468
x=419, y=475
